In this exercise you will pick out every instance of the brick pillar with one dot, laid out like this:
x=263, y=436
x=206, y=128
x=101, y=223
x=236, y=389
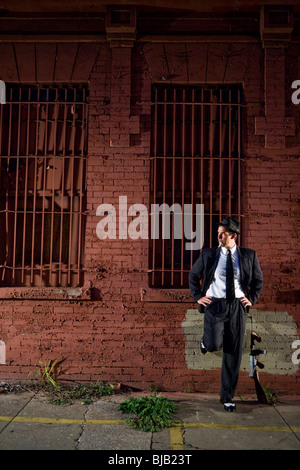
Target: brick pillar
x=121, y=32
x=274, y=125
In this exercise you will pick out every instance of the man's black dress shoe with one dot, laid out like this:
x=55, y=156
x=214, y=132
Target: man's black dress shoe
x=228, y=405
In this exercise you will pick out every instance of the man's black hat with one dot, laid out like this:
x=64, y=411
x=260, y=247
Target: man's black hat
x=231, y=223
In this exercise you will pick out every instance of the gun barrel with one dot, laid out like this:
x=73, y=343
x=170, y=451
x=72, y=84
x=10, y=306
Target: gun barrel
x=252, y=366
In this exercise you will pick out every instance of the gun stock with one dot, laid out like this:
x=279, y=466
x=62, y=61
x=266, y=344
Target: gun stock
x=254, y=363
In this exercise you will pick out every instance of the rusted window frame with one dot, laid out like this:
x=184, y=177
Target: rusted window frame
x=210, y=161
x=22, y=157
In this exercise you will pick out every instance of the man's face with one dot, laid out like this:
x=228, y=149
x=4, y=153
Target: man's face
x=225, y=239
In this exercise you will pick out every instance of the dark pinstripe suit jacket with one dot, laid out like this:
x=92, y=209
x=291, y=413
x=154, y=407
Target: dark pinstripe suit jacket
x=204, y=269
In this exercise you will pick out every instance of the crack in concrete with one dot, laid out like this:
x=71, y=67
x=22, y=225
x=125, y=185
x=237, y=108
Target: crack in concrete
x=82, y=426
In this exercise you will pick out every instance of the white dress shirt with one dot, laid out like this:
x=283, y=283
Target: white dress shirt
x=218, y=285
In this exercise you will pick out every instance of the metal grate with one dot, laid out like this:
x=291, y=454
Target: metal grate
x=43, y=137
x=195, y=159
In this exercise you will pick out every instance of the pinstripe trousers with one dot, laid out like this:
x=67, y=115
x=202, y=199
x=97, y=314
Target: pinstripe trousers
x=224, y=328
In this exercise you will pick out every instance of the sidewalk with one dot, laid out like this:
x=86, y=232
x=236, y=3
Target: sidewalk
x=29, y=422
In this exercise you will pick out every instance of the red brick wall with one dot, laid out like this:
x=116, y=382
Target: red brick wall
x=114, y=335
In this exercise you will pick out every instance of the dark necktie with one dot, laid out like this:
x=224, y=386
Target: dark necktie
x=230, y=292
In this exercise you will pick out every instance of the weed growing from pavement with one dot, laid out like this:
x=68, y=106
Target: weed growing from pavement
x=47, y=372
x=151, y=413
x=271, y=396
x=66, y=393
x=84, y=392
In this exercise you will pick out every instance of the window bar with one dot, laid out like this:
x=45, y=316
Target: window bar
x=7, y=221
x=182, y=184
x=1, y=183
x=61, y=218
x=7, y=191
x=239, y=154
x=43, y=213
x=62, y=188
x=45, y=153
x=173, y=184
x=17, y=161
x=81, y=172
x=220, y=156
x=26, y=187
x=192, y=171
x=72, y=193
x=164, y=186
x=154, y=183
x=38, y=105
x=211, y=162
x=70, y=253
x=229, y=154
x=54, y=111
x=226, y=157
x=1, y=124
x=201, y=147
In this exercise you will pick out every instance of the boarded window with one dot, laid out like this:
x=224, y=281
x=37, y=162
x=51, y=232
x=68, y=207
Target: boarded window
x=43, y=141
x=195, y=159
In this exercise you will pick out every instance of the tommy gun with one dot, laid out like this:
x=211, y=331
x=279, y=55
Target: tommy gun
x=255, y=363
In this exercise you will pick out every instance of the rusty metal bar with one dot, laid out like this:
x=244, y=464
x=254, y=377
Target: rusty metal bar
x=183, y=147
x=26, y=188
x=210, y=170
x=200, y=103
x=34, y=189
x=192, y=167
x=82, y=172
x=7, y=200
x=154, y=185
x=220, y=155
x=55, y=109
x=230, y=155
x=173, y=184
x=17, y=162
x=43, y=194
x=164, y=186
x=62, y=186
x=71, y=200
x=201, y=147
x=239, y=155
x=196, y=157
x=1, y=174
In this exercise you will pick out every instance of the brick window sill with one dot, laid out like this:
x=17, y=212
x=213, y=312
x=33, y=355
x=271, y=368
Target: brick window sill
x=46, y=293
x=167, y=295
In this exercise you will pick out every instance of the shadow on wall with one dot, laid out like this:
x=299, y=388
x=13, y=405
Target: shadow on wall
x=277, y=329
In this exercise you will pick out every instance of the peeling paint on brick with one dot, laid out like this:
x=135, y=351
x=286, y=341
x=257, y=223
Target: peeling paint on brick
x=277, y=329
x=2, y=352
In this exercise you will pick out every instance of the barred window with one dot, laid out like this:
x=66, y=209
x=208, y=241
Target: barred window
x=195, y=159
x=43, y=138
